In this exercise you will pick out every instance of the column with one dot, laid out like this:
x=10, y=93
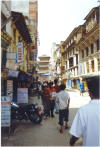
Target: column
x=90, y=69
x=67, y=64
x=95, y=47
x=74, y=60
x=95, y=65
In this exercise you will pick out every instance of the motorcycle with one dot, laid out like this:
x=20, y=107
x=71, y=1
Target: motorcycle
x=30, y=112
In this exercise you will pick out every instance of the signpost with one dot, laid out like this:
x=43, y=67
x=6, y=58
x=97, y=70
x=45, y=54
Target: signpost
x=22, y=95
x=5, y=111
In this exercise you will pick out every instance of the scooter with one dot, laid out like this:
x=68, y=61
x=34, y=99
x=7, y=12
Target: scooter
x=30, y=112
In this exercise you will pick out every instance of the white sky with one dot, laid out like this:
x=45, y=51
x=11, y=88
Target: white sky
x=20, y=6
x=57, y=19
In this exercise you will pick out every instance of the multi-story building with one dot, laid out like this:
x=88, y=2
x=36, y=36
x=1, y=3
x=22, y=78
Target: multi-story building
x=20, y=39
x=55, y=61
x=5, y=41
x=70, y=58
x=32, y=23
x=15, y=39
x=44, y=72
x=80, y=52
x=89, y=49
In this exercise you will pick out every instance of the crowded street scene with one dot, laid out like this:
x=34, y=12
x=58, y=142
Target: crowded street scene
x=50, y=73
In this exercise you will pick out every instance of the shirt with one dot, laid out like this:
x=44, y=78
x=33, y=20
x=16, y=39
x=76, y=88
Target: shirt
x=81, y=85
x=62, y=97
x=57, y=88
x=87, y=124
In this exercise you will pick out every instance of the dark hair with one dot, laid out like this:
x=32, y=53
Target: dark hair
x=56, y=81
x=50, y=84
x=93, y=86
x=62, y=86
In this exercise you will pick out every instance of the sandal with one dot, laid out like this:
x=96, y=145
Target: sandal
x=67, y=127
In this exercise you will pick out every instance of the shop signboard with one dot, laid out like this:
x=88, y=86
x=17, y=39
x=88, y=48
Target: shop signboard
x=10, y=89
x=11, y=65
x=22, y=95
x=11, y=56
x=13, y=73
x=44, y=74
x=20, y=53
x=5, y=111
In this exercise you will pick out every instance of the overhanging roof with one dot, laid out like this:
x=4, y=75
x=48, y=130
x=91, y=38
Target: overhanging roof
x=20, y=23
x=90, y=13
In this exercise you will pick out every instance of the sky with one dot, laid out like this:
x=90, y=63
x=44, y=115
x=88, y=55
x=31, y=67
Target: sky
x=57, y=19
x=20, y=6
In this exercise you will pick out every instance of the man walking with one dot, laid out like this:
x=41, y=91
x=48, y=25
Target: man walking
x=57, y=89
x=81, y=88
x=87, y=120
x=63, y=99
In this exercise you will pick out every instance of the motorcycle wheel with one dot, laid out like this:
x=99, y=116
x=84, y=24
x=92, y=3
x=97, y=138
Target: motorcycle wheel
x=35, y=118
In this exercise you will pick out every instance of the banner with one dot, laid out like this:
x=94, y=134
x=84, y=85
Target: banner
x=20, y=53
x=5, y=111
x=22, y=95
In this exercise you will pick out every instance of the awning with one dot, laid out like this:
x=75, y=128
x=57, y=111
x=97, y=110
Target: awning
x=20, y=23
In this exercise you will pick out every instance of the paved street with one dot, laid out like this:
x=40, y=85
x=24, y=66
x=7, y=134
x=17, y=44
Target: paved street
x=47, y=133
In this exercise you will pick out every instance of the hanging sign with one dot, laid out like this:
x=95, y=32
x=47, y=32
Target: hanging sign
x=22, y=95
x=10, y=89
x=11, y=65
x=5, y=111
x=20, y=53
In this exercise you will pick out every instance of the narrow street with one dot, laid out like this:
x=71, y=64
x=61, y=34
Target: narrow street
x=47, y=133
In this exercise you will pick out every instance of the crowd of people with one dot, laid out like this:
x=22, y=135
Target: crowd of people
x=54, y=97
x=87, y=120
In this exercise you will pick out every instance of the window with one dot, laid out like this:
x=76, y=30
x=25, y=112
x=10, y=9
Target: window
x=73, y=51
x=82, y=53
x=76, y=59
x=70, y=62
x=70, y=52
x=87, y=51
x=92, y=65
x=92, y=47
x=66, y=64
x=3, y=20
x=14, y=34
x=97, y=42
x=97, y=16
x=19, y=38
x=98, y=64
x=87, y=66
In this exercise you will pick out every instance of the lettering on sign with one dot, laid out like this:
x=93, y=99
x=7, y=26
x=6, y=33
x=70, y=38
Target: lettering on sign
x=5, y=111
x=20, y=53
x=10, y=88
x=22, y=95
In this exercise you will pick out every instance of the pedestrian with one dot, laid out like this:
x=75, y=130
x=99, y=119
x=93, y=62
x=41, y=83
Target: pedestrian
x=87, y=120
x=52, y=101
x=81, y=88
x=64, y=99
x=57, y=89
x=46, y=100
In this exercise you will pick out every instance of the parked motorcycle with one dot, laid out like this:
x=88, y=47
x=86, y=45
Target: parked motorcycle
x=30, y=112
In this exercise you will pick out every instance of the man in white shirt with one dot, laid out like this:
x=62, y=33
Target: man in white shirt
x=63, y=99
x=87, y=120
